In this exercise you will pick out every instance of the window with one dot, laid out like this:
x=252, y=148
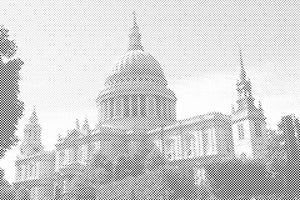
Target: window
x=69, y=156
x=257, y=129
x=83, y=151
x=134, y=106
x=97, y=146
x=143, y=105
x=126, y=106
x=241, y=131
x=243, y=156
x=158, y=144
x=200, y=176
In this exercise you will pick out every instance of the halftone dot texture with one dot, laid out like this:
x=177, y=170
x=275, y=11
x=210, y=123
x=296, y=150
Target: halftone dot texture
x=139, y=150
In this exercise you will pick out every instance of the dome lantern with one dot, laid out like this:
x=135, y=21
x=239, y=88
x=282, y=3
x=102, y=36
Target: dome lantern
x=135, y=36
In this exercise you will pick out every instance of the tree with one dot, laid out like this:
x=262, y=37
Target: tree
x=276, y=154
x=181, y=183
x=238, y=179
x=22, y=194
x=154, y=160
x=11, y=108
x=288, y=126
x=297, y=129
x=6, y=191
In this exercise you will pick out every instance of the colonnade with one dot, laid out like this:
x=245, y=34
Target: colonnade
x=137, y=105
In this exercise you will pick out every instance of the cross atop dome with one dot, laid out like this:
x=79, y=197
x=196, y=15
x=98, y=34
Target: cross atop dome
x=134, y=18
x=135, y=36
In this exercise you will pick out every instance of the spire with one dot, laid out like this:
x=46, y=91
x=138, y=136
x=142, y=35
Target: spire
x=77, y=124
x=33, y=119
x=232, y=109
x=134, y=19
x=135, y=36
x=243, y=72
x=59, y=138
x=259, y=105
x=86, y=126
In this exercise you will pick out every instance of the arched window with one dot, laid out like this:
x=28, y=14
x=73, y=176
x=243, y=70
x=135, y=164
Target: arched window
x=126, y=106
x=134, y=106
x=143, y=105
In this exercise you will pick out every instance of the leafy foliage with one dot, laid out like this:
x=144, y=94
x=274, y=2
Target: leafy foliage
x=155, y=160
x=289, y=126
x=22, y=194
x=237, y=178
x=8, y=47
x=6, y=191
x=181, y=183
x=11, y=107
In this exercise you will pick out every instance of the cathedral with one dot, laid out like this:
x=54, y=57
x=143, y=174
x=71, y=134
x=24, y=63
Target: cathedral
x=137, y=110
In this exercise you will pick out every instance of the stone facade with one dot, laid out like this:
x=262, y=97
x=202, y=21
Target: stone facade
x=34, y=166
x=137, y=111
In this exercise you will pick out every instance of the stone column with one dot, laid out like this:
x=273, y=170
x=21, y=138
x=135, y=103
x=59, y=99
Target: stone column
x=105, y=107
x=115, y=107
x=183, y=144
x=200, y=143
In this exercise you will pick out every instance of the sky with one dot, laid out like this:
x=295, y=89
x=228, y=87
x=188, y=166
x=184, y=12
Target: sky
x=70, y=47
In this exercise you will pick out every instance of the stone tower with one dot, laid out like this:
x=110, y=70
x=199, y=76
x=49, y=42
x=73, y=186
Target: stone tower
x=248, y=121
x=32, y=143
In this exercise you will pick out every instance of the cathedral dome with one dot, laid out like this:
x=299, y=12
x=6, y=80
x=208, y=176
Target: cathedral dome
x=136, y=94
x=136, y=63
